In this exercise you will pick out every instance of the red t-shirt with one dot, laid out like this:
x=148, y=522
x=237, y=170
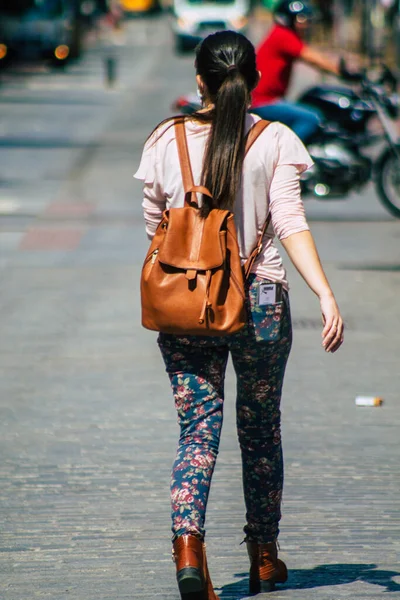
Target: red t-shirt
x=275, y=57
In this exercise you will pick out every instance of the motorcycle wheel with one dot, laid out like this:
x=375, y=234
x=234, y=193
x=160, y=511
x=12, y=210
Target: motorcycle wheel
x=388, y=181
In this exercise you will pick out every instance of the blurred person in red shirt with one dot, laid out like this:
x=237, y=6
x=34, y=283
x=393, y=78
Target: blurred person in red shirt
x=275, y=58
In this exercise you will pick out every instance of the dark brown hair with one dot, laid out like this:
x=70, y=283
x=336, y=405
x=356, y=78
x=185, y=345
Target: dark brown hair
x=226, y=62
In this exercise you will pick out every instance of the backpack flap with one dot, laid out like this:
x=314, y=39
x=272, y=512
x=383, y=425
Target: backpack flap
x=190, y=241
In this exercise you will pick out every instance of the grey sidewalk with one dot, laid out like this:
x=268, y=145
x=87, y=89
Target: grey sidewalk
x=87, y=424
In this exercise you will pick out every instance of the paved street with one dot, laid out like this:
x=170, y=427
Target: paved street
x=87, y=423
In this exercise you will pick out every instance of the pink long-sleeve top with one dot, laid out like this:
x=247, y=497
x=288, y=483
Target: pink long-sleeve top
x=270, y=182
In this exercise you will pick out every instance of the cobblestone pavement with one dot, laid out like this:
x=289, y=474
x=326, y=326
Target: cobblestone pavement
x=87, y=425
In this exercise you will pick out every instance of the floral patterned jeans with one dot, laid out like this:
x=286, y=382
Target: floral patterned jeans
x=196, y=368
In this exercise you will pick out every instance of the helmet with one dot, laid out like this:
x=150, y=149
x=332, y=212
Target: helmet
x=290, y=12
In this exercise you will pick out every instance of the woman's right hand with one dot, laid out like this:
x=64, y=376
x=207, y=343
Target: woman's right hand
x=332, y=333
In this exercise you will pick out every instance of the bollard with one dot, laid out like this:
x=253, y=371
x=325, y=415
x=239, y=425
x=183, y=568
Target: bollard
x=110, y=70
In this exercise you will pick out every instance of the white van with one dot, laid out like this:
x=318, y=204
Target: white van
x=195, y=19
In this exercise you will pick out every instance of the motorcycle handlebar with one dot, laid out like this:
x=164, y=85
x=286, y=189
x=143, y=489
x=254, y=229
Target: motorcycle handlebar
x=389, y=79
x=348, y=75
x=385, y=79
x=383, y=90
x=385, y=83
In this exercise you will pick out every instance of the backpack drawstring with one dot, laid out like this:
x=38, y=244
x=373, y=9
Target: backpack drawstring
x=206, y=304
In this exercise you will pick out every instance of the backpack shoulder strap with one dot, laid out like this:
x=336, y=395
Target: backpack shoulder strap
x=186, y=168
x=183, y=153
x=254, y=132
x=257, y=250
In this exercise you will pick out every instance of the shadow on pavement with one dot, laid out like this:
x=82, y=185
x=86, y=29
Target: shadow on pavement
x=323, y=575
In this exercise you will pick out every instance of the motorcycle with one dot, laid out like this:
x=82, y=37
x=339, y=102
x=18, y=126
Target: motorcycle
x=340, y=147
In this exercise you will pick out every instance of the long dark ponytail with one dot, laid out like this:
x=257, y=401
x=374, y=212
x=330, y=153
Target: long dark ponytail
x=226, y=63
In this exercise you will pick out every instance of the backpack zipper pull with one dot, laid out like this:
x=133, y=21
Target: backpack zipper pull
x=154, y=256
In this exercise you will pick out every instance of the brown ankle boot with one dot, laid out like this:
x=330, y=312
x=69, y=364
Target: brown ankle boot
x=191, y=569
x=266, y=569
x=188, y=554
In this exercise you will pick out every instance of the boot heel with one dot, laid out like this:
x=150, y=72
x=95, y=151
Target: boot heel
x=266, y=569
x=190, y=580
x=254, y=587
x=267, y=586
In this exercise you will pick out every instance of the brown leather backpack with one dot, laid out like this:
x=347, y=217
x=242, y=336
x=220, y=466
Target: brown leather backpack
x=192, y=280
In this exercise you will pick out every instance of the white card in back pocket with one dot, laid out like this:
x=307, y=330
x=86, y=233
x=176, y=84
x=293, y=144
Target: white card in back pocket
x=266, y=294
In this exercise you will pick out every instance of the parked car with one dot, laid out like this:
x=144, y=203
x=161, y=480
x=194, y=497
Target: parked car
x=195, y=19
x=35, y=29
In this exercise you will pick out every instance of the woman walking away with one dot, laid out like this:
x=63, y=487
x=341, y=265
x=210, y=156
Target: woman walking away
x=262, y=189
